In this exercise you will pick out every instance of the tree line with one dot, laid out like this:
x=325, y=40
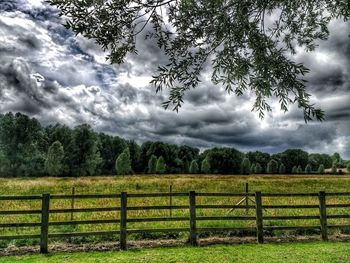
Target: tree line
x=29, y=149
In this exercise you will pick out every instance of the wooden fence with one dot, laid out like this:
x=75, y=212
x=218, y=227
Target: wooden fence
x=192, y=219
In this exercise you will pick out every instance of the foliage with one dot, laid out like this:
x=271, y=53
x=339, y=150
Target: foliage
x=282, y=169
x=55, y=155
x=334, y=168
x=152, y=164
x=272, y=167
x=348, y=167
x=258, y=168
x=292, y=157
x=123, y=163
x=86, y=152
x=299, y=170
x=83, y=151
x=247, y=43
x=294, y=170
x=308, y=169
x=194, y=167
x=245, y=166
x=161, y=166
x=225, y=160
x=252, y=168
x=320, y=169
x=205, y=167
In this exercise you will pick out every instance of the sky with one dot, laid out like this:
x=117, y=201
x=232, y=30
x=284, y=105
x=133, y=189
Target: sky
x=49, y=73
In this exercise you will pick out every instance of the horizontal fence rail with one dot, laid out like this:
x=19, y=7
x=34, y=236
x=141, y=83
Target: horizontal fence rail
x=192, y=218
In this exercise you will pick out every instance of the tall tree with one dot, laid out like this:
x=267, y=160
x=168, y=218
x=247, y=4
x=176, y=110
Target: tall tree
x=84, y=154
x=282, y=169
x=245, y=166
x=321, y=169
x=55, y=155
x=272, y=167
x=152, y=164
x=205, y=166
x=123, y=163
x=248, y=43
x=193, y=167
x=258, y=168
x=161, y=166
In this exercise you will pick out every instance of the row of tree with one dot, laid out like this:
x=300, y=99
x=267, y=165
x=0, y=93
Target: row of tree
x=29, y=149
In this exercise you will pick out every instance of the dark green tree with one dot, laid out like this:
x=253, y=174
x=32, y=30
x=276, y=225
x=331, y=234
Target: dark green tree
x=245, y=166
x=294, y=170
x=308, y=169
x=282, y=169
x=225, y=160
x=272, y=167
x=161, y=166
x=334, y=167
x=123, y=163
x=248, y=43
x=348, y=167
x=54, y=159
x=320, y=169
x=252, y=169
x=205, y=167
x=83, y=151
x=194, y=167
x=152, y=164
x=258, y=168
x=299, y=170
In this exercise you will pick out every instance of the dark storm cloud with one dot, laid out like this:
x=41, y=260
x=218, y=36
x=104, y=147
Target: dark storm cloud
x=51, y=74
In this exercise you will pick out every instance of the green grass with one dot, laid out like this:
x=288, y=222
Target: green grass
x=181, y=183
x=283, y=253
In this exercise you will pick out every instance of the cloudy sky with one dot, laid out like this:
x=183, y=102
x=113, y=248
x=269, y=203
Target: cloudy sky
x=54, y=76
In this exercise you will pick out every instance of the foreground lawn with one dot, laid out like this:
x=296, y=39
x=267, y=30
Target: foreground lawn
x=284, y=253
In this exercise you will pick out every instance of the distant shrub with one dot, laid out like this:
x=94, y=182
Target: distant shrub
x=245, y=166
x=294, y=170
x=160, y=167
x=258, y=168
x=348, y=167
x=205, y=167
x=272, y=167
x=321, y=169
x=334, y=168
x=152, y=164
x=282, y=169
x=193, y=167
x=308, y=169
x=252, y=169
x=123, y=163
x=299, y=170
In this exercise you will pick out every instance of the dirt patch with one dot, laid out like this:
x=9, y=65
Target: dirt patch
x=141, y=244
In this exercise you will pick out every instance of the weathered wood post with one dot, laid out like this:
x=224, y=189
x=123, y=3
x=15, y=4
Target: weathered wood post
x=259, y=218
x=246, y=198
x=72, y=204
x=44, y=231
x=171, y=200
x=193, y=228
x=123, y=218
x=323, y=215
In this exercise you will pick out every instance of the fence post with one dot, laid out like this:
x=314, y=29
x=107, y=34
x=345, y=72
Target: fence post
x=72, y=204
x=171, y=200
x=193, y=228
x=123, y=218
x=259, y=217
x=45, y=209
x=246, y=198
x=323, y=215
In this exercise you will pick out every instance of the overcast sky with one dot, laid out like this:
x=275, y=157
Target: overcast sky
x=54, y=76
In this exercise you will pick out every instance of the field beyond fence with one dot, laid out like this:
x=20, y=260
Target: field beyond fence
x=126, y=218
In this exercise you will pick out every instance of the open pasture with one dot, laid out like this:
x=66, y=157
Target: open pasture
x=179, y=183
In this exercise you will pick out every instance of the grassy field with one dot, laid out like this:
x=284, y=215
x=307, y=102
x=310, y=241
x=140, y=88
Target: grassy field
x=283, y=253
x=182, y=183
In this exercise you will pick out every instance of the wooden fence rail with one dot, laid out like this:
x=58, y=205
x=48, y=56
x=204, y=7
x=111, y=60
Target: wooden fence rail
x=192, y=207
